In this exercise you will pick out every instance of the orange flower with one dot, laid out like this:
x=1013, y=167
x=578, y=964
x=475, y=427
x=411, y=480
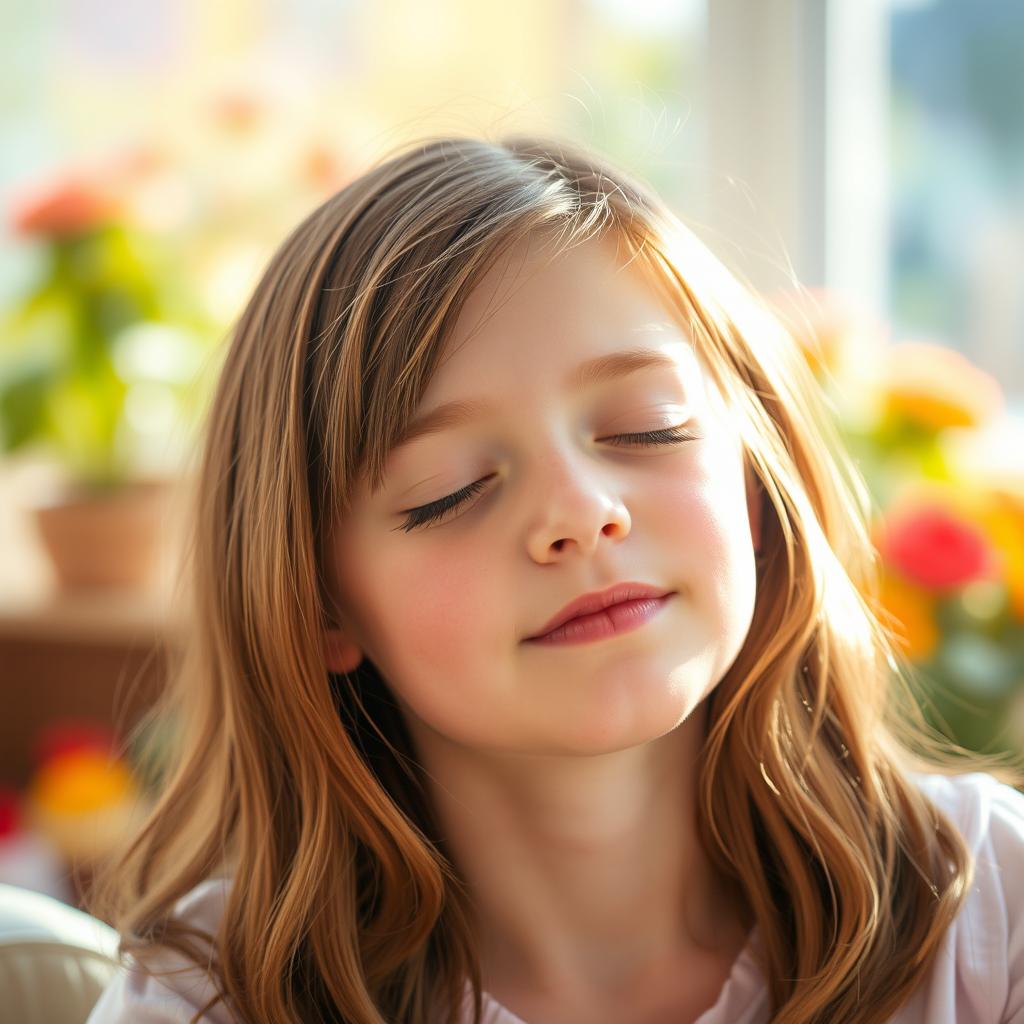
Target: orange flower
x=66, y=204
x=86, y=803
x=908, y=611
x=82, y=780
x=322, y=169
x=237, y=112
x=937, y=387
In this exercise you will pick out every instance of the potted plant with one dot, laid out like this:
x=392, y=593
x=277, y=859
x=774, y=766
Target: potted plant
x=144, y=261
x=98, y=363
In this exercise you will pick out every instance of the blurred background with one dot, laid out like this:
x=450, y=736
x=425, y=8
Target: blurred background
x=859, y=165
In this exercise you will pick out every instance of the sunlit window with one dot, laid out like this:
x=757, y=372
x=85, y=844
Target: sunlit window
x=957, y=254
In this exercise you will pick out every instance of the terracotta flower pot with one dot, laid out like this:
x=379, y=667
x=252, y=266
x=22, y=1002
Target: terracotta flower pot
x=109, y=540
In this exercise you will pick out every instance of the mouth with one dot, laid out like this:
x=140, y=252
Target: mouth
x=613, y=620
x=599, y=600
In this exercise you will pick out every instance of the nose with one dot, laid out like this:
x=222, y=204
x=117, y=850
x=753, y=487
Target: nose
x=576, y=507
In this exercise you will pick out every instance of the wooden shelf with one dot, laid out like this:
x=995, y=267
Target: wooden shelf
x=88, y=656
x=119, y=618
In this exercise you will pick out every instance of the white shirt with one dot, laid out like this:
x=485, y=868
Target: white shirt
x=977, y=976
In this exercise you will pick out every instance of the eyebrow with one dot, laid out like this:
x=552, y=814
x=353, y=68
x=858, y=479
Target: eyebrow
x=600, y=370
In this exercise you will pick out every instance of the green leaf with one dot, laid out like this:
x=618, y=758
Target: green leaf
x=23, y=413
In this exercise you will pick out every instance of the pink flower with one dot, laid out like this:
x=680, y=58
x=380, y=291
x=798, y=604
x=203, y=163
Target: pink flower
x=932, y=547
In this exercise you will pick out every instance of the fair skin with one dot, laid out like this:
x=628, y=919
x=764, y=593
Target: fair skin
x=564, y=778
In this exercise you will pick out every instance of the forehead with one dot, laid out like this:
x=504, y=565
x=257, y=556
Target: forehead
x=531, y=304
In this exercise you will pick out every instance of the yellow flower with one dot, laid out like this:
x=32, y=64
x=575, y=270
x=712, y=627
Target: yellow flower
x=937, y=387
x=1001, y=514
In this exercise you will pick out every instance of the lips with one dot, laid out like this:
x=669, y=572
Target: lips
x=587, y=604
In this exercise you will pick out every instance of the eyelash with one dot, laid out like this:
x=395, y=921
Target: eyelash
x=436, y=510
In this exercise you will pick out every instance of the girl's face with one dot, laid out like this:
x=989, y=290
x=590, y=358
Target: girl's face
x=563, y=508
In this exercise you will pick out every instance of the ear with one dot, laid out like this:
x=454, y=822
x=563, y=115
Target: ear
x=340, y=653
x=755, y=504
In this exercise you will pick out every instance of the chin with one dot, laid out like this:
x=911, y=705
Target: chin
x=633, y=716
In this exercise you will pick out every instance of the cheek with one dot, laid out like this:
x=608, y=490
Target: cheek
x=705, y=508
x=730, y=566
x=703, y=516
x=430, y=612
x=438, y=601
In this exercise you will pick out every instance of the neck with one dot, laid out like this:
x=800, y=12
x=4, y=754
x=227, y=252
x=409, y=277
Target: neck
x=583, y=871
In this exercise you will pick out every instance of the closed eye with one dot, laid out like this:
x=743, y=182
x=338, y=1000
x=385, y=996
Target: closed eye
x=425, y=514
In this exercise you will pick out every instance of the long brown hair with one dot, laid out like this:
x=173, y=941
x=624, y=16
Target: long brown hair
x=302, y=785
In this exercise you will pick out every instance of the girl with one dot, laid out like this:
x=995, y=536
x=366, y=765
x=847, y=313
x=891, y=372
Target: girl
x=535, y=673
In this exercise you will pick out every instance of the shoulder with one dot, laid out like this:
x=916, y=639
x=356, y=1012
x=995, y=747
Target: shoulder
x=170, y=989
x=981, y=966
x=984, y=809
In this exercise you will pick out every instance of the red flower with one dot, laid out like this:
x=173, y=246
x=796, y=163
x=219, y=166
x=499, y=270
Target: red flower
x=10, y=811
x=933, y=548
x=67, y=736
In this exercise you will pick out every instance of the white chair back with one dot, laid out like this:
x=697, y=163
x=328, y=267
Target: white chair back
x=54, y=960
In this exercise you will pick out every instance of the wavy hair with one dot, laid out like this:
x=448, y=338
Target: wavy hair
x=302, y=785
